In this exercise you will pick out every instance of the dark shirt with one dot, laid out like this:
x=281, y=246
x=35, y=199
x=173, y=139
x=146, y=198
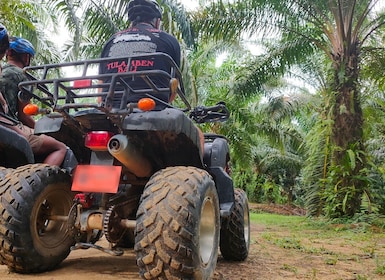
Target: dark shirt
x=136, y=41
x=9, y=80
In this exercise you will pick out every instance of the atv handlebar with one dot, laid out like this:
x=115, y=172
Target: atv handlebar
x=216, y=113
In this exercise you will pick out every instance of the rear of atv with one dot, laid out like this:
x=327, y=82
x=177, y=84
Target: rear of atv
x=143, y=179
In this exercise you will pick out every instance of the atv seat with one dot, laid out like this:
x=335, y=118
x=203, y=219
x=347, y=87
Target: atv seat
x=14, y=149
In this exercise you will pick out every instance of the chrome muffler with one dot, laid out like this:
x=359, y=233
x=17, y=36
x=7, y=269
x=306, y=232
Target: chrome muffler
x=121, y=149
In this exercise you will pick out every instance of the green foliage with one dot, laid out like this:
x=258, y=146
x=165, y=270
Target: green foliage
x=272, y=193
x=31, y=20
x=343, y=188
x=341, y=32
x=246, y=179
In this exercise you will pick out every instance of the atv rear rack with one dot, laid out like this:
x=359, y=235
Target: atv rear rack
x=48, y=85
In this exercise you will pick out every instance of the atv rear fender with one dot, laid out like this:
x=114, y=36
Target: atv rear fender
x=216, y=157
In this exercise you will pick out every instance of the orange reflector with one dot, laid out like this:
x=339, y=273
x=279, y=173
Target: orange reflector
x=31, y=109
x=146, y=104
x=174, y=84
x=96, y=178
x=98, y=140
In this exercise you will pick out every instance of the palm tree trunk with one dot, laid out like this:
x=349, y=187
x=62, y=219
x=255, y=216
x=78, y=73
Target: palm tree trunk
x=347, y=139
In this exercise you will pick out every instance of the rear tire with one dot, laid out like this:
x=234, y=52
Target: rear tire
x=30, y=241
x=235, y=230
x=178, y=224
x=4, y=171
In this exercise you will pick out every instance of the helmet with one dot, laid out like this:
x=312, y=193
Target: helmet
x=144, y=9
x=3, y=32
x=21, y=45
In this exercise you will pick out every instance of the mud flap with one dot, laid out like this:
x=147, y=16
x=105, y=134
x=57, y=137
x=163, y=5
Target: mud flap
x=48, y=124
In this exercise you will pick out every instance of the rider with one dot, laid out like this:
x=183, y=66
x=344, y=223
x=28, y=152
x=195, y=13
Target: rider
x=19, y=55
x=4, y=41
x=4, y=45
x=142, y=37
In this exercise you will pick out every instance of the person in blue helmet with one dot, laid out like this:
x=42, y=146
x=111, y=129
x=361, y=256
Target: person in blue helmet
x=4, y=41
x=19, y=55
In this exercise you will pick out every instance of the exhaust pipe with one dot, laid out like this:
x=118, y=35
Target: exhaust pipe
x=121, y=149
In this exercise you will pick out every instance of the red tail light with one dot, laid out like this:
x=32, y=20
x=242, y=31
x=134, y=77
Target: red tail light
x=98, y=140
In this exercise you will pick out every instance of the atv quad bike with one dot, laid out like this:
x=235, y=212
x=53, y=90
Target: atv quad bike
x=19, y=172
x=142, y=180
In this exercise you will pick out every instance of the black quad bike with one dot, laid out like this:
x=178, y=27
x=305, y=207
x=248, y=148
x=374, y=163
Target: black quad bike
x=142, y=179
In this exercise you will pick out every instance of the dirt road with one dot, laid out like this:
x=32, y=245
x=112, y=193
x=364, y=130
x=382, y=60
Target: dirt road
x=274, y=255
x=93, y=264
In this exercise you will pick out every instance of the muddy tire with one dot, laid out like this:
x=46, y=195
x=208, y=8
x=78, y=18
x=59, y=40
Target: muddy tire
x=178, y=224
x=235, y=230
x=29, y=240
x=4, y=171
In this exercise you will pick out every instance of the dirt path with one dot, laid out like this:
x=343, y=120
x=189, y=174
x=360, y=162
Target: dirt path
x=315, y=258
x=96, y=265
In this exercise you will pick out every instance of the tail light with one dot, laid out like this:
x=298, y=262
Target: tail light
x=98, y=140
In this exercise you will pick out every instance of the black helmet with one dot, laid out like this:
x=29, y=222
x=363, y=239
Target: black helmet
x=143, y=9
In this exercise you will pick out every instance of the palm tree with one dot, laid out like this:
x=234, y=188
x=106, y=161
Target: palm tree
x=31, y=19
x=92, y=22
x=338, y=30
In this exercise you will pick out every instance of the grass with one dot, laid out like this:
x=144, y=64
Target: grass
x=333, y=241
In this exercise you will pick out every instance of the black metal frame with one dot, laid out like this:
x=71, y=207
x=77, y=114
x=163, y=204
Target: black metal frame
x=47, y=86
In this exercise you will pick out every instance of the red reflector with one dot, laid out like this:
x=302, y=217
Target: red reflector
x=98, y=140
x=82, y=83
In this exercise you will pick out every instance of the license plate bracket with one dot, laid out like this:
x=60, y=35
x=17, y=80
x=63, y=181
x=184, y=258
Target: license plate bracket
x=96, y=178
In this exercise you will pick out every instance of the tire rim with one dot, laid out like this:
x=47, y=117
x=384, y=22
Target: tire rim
x=246, y=223
x=49, y=233
x=207, y=230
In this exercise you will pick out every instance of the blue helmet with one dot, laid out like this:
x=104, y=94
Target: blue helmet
x=21, y=46
x=3, y=32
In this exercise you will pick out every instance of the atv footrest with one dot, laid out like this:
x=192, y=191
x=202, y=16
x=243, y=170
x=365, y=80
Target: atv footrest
x=81, y=245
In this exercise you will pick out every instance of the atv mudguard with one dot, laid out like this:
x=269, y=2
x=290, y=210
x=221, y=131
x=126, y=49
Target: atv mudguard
x=48, y=124
x=215, y=157
x=14, y=149
x=169, y=132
